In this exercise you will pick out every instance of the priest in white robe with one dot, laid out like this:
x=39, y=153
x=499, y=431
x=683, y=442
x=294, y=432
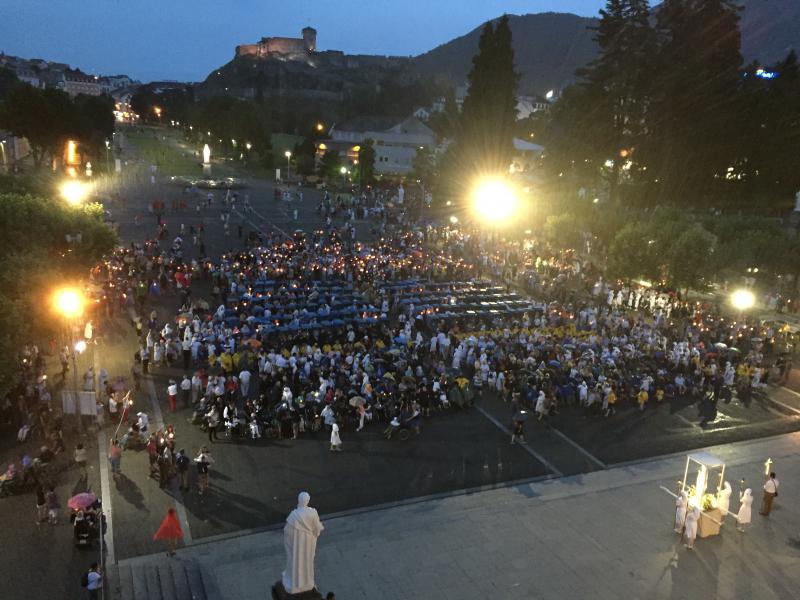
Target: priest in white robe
x=300, y=540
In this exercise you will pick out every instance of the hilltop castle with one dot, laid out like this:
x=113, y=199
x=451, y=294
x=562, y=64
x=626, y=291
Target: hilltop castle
x=270, y=46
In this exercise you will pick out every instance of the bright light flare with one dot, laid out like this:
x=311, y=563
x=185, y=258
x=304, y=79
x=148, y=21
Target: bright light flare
x=69, y=302
x=80, y=346
x=74, y=192
x=495, y=201
x=743, y=299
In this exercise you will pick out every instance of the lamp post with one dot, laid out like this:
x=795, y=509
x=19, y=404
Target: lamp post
x=343, y=171
x=288, y=156
x=70, y=304
x=108, y=160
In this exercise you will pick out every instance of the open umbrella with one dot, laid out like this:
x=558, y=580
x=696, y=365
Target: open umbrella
x=721, y=346
x=388, y=376
x=357, y=401
x=82, y=501
x=555, y=364
x=254, y=343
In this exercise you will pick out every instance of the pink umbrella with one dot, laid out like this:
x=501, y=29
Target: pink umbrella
x=82, y=501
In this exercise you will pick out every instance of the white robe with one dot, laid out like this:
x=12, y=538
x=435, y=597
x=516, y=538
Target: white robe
x=724, y=500
x=300, y=541
x=335, y=439
x=680, y=512
x=746, y=508
x=692, y=516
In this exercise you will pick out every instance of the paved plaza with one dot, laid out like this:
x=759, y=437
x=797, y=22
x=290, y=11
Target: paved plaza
x=603, y=535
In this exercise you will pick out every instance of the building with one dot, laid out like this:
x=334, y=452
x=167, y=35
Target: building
x=396, y=141
x=75, y=81
x=272, y=46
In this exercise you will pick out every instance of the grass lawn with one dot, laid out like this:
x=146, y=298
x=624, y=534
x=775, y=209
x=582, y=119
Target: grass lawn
x=169, y=159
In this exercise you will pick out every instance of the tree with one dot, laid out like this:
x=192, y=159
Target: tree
x=39, y=225
x=599, y=126
x=632, y=255
x=366, y=163
x=563, y=231
x=47, y=118
x=424, y=165
x=696, y=77
x=330, y=164
x=485, y=137
x=8, y=79
x=687, y=258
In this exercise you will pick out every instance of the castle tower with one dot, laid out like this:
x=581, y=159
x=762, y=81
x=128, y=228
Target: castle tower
x=310, y=39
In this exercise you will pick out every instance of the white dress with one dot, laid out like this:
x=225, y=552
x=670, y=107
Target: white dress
x=746, y=508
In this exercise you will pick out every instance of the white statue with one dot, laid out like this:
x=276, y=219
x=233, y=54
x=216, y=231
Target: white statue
x=797, y=202
x=300, y=540
x=206, y=154
x=401, y=194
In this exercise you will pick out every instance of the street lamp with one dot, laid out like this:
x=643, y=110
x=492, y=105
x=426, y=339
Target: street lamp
x=494, y=201
x=157, y=110
x=74, y=192
x=343, y=171
x=288, y=156
x=320, y=126
x=69, y=302
x=743, y=300
x=108, y=160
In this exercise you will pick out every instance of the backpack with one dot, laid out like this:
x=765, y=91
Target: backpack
x=85, y=579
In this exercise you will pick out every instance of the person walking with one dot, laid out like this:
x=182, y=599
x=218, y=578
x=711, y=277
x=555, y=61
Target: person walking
x=51, y=499
x=93, y=580
x=203, y=461
x=115, y=458
x=745, y=509
x=182, y=465
x=212, y=420
x=690, y=529
x=41, y=505
x=80, y=459
x=186, y=391
x=770, y=493
x=336, y=440
x=170, y=530
x=172, y=392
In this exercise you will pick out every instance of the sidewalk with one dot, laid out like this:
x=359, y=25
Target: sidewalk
x=606, y=534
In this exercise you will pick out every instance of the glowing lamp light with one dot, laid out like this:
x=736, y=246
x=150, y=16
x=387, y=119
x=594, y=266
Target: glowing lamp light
x=74, y=192
x=743, y=299
x=343, y=170
x=69, y=303
x=454, y=219
x=320, y=126
x=80, y=346
x=495, y=201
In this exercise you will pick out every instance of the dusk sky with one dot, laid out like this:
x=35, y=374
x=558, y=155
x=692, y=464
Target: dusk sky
x=185, y=39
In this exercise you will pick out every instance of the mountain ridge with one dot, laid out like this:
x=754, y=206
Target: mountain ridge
x=549, y=47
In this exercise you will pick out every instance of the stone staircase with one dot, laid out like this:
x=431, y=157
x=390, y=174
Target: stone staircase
x=158, y=579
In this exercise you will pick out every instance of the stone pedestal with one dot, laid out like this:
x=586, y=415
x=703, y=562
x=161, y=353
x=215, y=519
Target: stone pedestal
x=279, y=593
x=206, y=168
